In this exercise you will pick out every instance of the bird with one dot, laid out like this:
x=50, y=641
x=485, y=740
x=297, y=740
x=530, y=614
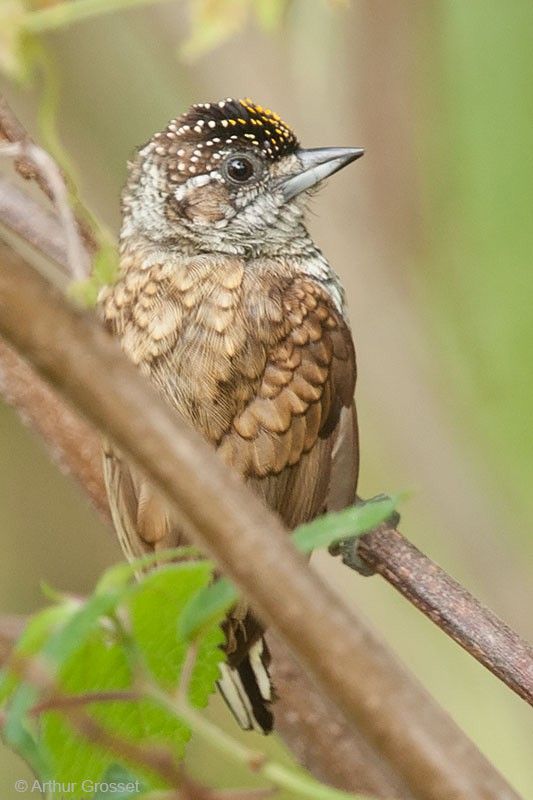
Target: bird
x=226, y=304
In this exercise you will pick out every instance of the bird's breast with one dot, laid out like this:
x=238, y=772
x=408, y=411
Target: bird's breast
x=201, y=330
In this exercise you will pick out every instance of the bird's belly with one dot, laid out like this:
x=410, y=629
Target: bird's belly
x=203, y=379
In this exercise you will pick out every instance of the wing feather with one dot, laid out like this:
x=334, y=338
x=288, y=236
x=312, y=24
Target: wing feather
x=284, y=439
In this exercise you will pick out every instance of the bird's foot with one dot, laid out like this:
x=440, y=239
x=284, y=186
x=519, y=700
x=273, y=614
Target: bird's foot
x=347, y=548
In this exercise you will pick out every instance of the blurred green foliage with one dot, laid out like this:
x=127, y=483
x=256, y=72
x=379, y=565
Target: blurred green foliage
x=478, y=184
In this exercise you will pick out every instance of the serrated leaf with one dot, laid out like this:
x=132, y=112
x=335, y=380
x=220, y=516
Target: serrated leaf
x=78, y=627
x=346, y=524
x=92, y=655
x=102, y=664
x=120, y=576
x=207, y=607
x=156, y=607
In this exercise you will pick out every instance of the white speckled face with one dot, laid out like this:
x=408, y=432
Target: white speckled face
x=217, y=180
x=227, y=177
x=217, y=190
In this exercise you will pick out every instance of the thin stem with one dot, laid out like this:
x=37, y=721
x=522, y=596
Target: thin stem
x=186, y=673
x=76, y=255
x=12, y=131
x=63, y=14
x=65, y=702
x=280, y=775
x=284, y=777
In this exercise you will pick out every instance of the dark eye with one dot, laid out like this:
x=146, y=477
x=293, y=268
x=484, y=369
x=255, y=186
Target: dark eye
x=240, y=169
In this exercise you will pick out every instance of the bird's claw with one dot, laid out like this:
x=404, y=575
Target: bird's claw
x=347, y=548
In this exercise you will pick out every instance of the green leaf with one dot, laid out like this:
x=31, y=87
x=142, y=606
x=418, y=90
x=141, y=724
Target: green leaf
x=20, y=731
x=88, y=653
x=32, y=640
x=78, y=628
x=207, y=607
x=121, y=575
x=211, y=603
x=105, y=265
x=101, y=665
x=157, y=605
x=103, y=660
x=84, y=292
x=346, y=524
x=104, y=272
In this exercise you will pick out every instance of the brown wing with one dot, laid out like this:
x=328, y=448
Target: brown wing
x=285, y=439
x=142, y=520
x=295, y=442
x=344, y=462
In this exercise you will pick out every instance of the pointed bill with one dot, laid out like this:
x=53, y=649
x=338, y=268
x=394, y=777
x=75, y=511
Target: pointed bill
x=317, y=164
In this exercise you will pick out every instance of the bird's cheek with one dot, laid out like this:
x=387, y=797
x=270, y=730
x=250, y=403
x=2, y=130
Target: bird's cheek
x=200, y=207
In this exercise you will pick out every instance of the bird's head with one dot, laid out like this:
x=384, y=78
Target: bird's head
x=225, y=177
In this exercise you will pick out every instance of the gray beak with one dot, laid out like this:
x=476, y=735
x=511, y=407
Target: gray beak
x=316, y=165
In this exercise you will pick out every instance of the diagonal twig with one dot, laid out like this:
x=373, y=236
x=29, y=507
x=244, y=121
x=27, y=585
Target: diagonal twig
x=450, y=606
x=32, y=222
x=12, y=131
x=73, y=444
x=77, y=259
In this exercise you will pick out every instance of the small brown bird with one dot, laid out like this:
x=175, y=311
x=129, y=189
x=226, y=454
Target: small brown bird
x=231, y=310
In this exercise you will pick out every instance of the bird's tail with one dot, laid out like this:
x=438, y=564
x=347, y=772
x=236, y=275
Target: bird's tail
x=247, y=689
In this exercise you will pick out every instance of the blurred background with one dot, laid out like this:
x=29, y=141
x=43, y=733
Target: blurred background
x=432, y=235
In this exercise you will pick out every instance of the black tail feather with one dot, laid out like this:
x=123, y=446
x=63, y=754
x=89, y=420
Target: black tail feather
x=247, y=689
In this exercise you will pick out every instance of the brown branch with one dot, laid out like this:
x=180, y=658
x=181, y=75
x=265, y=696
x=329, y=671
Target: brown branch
x=12, y=131
x=34, y=223
x=324, y=741
x=451, y=607
x=72, y=443
x=398, y=717
x=158, y=759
